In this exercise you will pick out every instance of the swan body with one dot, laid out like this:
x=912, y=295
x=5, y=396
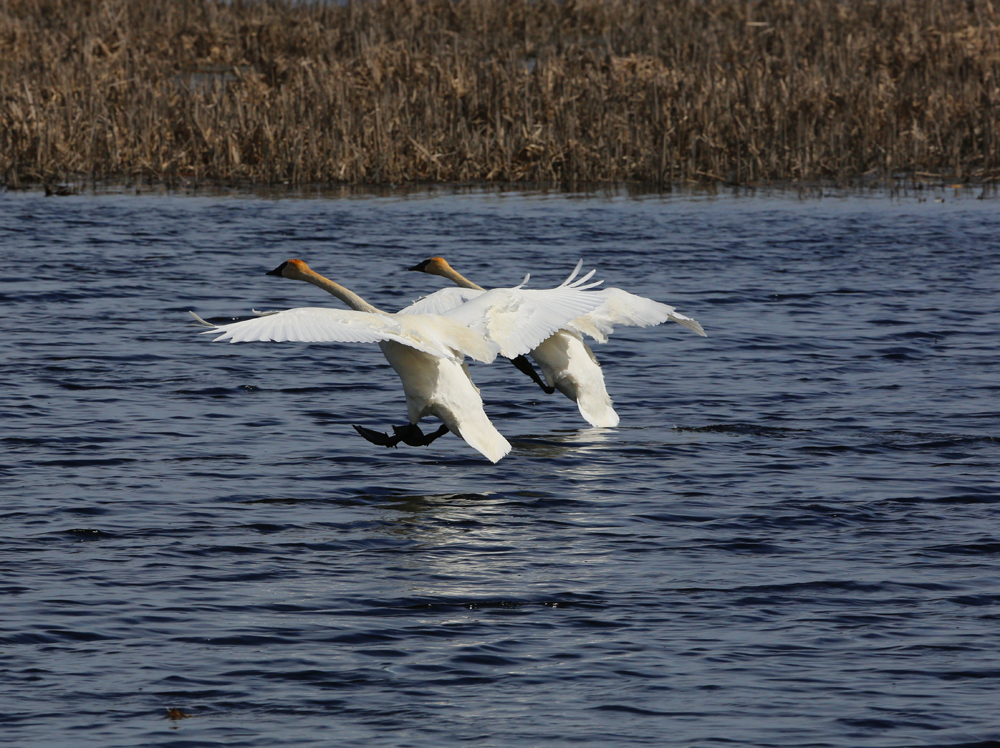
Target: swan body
x=567, y=362
x=570, y=366
x=426, y=350
x=441, y=387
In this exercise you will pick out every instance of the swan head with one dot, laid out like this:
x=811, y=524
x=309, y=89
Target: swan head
x=294, y=269
x=434, y=266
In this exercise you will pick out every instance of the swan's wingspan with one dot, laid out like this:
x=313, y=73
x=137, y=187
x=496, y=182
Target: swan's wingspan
x=434, y=335
x=519, y=319
x=441, y=301
x=620, y=307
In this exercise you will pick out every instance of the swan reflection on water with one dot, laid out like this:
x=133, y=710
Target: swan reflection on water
x=559, y=443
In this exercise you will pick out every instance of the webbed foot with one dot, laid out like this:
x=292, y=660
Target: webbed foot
x=412, y=435
x=409, y=434
x=442, y=430
x=377, y=437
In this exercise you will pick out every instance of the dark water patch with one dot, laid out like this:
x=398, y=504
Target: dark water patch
x=984, y=497
x=899, y=353
x=974, y=498
x=933, y=441
x=487, y=660
x=977, y=674
x=79, y=462
x=830, y=587
x=268, y=529
x=742, y=429
x=74, y=386
x=243, y=640
x=747, y=545
x=228, y=457
x=82, y=533
x=213, y=392
x=56, y=636
x=976, y=600
x=985, y=546
x=676, y=518
x=626, y=709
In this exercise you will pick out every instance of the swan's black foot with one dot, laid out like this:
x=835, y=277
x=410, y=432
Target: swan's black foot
x=524, y=366
x=377, y=437
x=412, y=435
x=409, y=434
x=442, y=430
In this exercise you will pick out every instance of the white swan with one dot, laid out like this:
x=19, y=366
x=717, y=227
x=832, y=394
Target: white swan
x=426, y=350
x=568, y=363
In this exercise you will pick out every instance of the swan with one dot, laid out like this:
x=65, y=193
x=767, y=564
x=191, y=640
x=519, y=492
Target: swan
x=426, y=350
x=567, y=362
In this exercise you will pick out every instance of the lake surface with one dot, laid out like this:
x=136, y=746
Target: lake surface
x=791, y=540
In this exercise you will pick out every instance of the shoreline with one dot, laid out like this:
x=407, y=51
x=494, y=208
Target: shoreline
x=938, y=189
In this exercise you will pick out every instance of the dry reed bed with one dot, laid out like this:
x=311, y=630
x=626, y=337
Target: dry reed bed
x=392, y=91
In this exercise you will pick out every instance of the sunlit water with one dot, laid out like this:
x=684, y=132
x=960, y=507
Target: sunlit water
x=791, y=540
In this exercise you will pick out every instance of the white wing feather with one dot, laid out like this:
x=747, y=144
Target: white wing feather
x=620, y=307
x=520, y=319
x=431, y=334
x=441, y=301
x=577, y=283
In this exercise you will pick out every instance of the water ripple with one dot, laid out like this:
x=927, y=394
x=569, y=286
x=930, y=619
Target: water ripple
x=787, y=542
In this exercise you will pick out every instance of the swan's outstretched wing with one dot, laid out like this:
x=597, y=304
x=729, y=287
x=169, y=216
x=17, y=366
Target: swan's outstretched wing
x=441, y=301
x=519, y=319
x=620, y=307
x=431, y=334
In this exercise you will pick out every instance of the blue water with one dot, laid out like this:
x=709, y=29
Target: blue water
x=791, y=540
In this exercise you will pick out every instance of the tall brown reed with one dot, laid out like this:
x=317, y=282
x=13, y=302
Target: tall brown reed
x=392, y=91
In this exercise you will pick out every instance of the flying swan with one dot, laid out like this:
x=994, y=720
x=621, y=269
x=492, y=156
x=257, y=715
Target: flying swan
x=426, y=350
x=567, y=362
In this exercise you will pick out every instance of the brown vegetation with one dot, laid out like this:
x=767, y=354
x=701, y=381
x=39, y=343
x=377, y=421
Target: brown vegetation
x=565, y=91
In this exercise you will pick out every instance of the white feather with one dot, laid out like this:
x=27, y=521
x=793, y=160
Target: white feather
x=431, y=334
x=517, y=319
x=442, y=301
x=623, y=308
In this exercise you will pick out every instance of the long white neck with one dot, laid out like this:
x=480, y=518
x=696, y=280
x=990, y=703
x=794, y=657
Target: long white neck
x=298, y=270
x=457, y=278
x=344, y=294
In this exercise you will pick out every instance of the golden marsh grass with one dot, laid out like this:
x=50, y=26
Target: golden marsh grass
x=577, y=91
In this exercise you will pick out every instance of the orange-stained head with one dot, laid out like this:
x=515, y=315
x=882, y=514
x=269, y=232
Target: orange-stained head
x=294, y=269
x=434, y=266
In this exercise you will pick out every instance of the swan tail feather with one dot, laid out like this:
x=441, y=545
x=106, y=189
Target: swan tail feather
x=479, y=433
x=597, y=410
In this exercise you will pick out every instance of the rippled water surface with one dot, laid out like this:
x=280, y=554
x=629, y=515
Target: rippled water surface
x=791, y=540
